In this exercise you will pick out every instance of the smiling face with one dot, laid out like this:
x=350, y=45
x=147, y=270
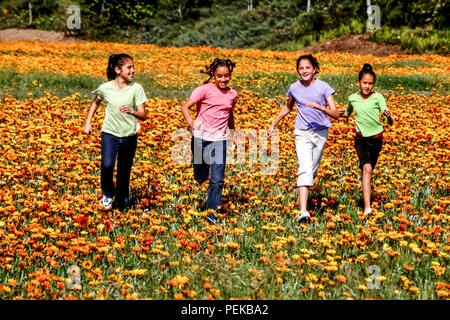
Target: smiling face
x=126, y=71
x=306, y=70
x=222, y=77
x=366, y=84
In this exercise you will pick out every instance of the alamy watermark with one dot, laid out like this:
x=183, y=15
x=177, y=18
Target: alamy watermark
x=258, y=152
x=74, y=279
x=374, y=281
x=373, y=17
x=73, y=22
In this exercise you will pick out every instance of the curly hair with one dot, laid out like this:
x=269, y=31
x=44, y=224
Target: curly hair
x=218, y=63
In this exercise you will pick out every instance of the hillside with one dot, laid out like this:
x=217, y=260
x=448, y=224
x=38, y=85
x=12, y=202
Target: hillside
x=355, y=44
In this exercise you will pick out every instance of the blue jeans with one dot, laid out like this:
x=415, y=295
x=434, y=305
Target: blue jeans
x=209, y=158
x=123, y=149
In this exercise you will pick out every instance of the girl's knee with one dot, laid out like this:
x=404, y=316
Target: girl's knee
x=108, y=164
x=367, y=168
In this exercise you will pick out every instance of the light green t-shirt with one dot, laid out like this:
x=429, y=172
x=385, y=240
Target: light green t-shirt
x=367, y=113
x=116, y=122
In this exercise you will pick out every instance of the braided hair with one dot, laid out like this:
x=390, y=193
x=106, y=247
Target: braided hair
x=116, y=60
x=211, y=69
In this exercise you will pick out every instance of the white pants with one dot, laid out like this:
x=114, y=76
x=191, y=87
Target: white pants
x=309, y=145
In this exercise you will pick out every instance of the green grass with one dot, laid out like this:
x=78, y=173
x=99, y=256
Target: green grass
x=266, y=85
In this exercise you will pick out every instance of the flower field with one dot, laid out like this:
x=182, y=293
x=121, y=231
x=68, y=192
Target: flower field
x=57, y=243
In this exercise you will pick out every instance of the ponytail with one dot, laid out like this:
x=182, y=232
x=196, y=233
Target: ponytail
x=367, y=68
x=218, y=63
x=116, y=60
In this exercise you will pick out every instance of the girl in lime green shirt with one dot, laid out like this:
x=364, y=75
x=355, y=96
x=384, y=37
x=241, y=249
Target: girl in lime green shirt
x=368, y=105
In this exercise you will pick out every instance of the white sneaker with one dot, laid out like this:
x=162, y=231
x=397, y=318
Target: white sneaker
x=106, y=202
x=303, y=216
x=368, y=210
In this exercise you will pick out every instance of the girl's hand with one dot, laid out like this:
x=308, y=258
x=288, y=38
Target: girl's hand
x=125, y=109
x=388, y=114
x=314, y=105
x=270, y=130
x=235, y=138
x=341, y=111
x=87, y=128
x=195, y=125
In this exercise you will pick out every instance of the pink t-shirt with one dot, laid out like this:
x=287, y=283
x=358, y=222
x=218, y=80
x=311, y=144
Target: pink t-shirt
x=213, y=110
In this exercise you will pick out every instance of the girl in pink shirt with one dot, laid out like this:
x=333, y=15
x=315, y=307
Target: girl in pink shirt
x=215, y=102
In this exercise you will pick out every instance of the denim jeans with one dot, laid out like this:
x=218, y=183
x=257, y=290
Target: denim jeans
x=123, y=149
x=209, y=158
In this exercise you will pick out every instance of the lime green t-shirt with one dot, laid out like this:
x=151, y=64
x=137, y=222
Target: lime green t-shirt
x=367, y=113
x=116, y=122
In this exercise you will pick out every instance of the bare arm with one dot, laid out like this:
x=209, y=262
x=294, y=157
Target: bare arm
x=94, y=105
x=187, y=116
x=283, y=112
x=232, y=126
x=388, y=115
x=139, y=113
x=231, y=120
x=333, y=111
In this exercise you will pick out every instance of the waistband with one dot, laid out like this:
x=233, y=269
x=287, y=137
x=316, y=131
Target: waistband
x=375, y=136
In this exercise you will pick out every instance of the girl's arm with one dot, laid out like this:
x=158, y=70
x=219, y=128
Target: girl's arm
x=139, y=113
x=232, y=126
x=187, y=116
x=348, y=111
x=388, y=115
x=333, y=111
x=231, y=120
x=94, y=105
x=283, y=112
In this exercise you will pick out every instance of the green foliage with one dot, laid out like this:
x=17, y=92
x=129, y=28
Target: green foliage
x=414, y=13
x=16, y=13
x=415, y=40
x=419, y=26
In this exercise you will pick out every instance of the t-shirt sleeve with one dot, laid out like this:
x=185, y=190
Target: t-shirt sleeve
x=382, y=102
x=328, y=90
x=198, y=94
x=99, y=93
x=289, y=94
x=140, y=96
x=349, y=109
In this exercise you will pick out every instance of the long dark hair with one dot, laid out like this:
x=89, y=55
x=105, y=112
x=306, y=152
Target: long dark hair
x=367, y=68
x=218, y=63
x=116, y=60
x=311, y=59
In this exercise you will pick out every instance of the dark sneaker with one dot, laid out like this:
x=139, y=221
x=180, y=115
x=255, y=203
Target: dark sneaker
x=123, y=204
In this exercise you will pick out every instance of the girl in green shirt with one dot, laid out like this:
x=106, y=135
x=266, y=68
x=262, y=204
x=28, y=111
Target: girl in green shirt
x=368, y=105
x=124, y=105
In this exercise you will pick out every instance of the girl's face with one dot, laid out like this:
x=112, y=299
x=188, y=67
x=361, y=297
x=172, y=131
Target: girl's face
x=366, y=83
x=126, y=71
x=222, y=77
x=306, y=70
